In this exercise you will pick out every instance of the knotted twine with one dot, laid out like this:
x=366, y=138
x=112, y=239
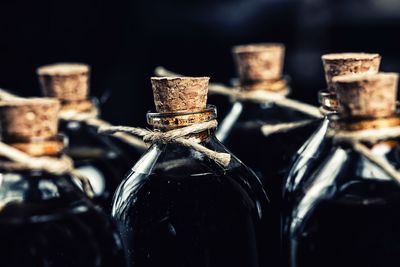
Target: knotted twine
x=90, y=118
x=18, y=161
x=260, y=97
x=355, y=139
x=178, y=136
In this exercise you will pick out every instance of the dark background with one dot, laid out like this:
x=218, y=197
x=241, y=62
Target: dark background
x=124, y=40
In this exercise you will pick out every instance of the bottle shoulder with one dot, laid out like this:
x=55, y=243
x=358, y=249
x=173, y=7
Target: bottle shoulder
x=236, y=188
x=348, y=178
x=78, y=236
x=312, y=153
x=26, y=194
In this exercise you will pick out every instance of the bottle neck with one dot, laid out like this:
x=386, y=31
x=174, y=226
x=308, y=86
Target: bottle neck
x=278, y=86
x=48, y=147
x=85, y=105
x=328, y=101
x=170, y=121
x=358, y=124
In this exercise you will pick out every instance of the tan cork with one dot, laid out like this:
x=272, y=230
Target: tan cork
x=366, y=95
x=337, y=64
x=259, y=62
x=65, y=81
x=30, y=118
x=180, y=94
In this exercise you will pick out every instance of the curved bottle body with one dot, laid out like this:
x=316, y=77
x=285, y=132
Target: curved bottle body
x=306, y=160
x=348, y=215
x=179, y=208
x=99, y=158
x=269, y=156
x=46, y=220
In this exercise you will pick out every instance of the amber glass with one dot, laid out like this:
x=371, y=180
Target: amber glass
x=348, y=215
x=99, y=157
x=46, y=220
x=178, y=208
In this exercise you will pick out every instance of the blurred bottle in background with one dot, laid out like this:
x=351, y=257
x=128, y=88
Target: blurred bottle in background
x=101, y=158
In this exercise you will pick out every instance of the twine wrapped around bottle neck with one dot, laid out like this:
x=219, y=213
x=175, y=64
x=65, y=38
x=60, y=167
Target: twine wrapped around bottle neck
x=179, y=136
x=19, y=161
x=255, y=96
x=355, y=139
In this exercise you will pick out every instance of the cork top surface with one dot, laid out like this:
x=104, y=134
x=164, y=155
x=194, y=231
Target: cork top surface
x=366, y=94
x=63, y=69
x=251, y=48
x=259, y=62
x=30, y=118
x=65, y=81
x=180, y=94
x=350, y=56
x=337, y=64
x=180, y=78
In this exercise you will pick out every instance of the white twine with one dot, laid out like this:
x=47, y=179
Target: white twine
x=269, y=129
x=4, y=95
x=175, y=136
x=256, y=96
x=18, y=160
x=354, y=138
x=91, y=118
x=284, y=127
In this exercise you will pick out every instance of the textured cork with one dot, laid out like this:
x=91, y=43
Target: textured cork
x=65, y=81
x=180, y=94
x=259, y=62
x=27, y=119
x=349, y=63
x=366, y=95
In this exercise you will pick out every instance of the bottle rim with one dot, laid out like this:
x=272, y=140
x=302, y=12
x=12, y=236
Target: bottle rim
x=181, y=119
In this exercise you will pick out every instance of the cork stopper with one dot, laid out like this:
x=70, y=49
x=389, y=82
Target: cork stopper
x=180, y=94
x=65, y=81
x=349, y=63
x=259, y=62
x=29, y=118
x=366, y=95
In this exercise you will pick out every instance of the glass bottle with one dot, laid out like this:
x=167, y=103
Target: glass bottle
x=101, y=158
x=178, y=207
x=314, y=150
x=45, y=219
x=241, y=130
x=258, y=65
x=348, y=214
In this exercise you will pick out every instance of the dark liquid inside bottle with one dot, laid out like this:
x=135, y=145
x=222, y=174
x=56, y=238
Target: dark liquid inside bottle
x=46, y=221
x=269, y=157
x=360, y=227
x=99, y=158
x=207, y=219
x=349, y=213
x=305, y=162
